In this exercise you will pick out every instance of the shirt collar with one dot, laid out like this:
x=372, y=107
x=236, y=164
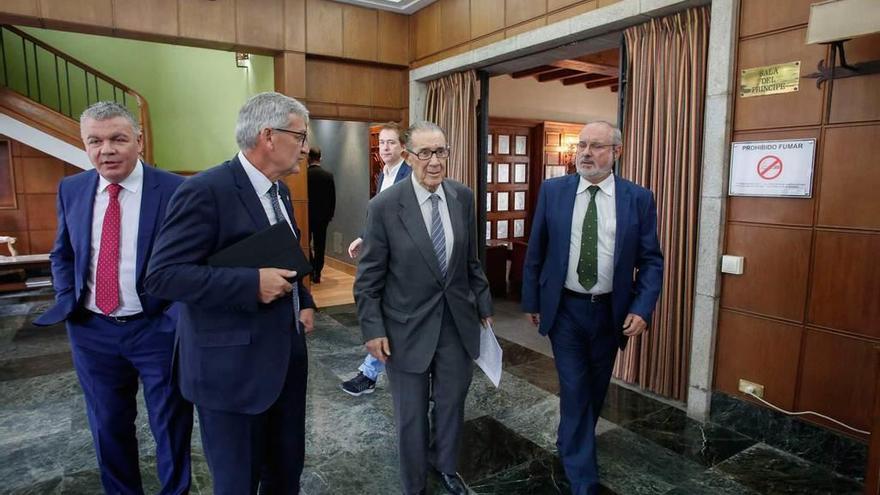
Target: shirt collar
x=607, y=185
x=423, y=194
x=132, y=183
x=261, y=183
x=392, y=171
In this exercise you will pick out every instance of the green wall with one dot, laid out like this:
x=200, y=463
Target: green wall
x=193, y=93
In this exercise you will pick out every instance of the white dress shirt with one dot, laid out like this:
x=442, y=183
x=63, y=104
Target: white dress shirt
x=130, y=215
x=262, y=184
x=423, y=196
x=389, y=174
x=607, y=213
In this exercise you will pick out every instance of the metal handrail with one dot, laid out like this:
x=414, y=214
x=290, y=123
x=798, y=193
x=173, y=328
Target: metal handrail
x=60, y=77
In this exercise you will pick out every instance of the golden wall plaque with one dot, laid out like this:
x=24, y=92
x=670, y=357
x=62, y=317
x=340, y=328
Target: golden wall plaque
x=770, y=80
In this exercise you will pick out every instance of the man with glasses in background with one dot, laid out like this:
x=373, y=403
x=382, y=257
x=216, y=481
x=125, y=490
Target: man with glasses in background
x=421, y=295
x=591, y=233
x=242, y=349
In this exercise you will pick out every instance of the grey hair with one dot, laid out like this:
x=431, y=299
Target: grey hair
x=424, y=126
x=105, y=110
x=266, y=110
x=616, y=137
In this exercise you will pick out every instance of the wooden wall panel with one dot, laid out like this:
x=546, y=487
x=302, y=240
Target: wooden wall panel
x=773, y=210
x=857, y=99
x=572, y=11
x=558, y=4
x=41, y=175
x=761, y=16
x=22, y=7
x=759, y=350
x=774, y=281
x=455, y=22
x=321, y=80
x=41, y=211
x=516, y=11
x=387, y=88
x=426, y=29
x=353, y=84
x=91, y=12
x=803, y=107
x=260, y=23
x=359, y=28
x=324, y=27
x=290, y=74
x=393, y=38
x=295, y=25
x=525, y=27
x=846, y=282
x=850, y=184
x=156, y=16
x=838, y=377
x=207, y=19
x=41, y=241
x=487, y=40
x=7, y=178
x=14, y=220
x=487, y=16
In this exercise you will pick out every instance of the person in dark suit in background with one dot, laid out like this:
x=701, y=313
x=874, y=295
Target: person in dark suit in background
x=421, y=295
x=108, y=218
x=592, y=276
x=322, y=206
x=242, y=349
x=391, y=146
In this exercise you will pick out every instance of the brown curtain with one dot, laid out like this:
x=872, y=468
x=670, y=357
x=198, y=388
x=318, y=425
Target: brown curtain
x=452, y=104
x=663, y=129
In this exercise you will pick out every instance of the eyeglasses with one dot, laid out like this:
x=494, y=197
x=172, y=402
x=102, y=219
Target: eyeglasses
x=582, y=146
x=442, y=153
x=301, y=135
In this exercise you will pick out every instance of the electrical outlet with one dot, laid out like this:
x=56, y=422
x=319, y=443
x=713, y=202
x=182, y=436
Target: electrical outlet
x=751, y=388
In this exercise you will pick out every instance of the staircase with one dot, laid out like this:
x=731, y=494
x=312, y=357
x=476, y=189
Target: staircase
x=46, y=89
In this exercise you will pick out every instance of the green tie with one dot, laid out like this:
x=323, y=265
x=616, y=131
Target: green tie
x=588, y=264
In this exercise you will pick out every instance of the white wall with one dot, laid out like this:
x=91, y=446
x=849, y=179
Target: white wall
x=526, y=98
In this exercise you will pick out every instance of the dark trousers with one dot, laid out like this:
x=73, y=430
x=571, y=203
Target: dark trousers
x=584, y=347
x=319, y=244
x=266, y=450
x=109, y=358
x=446, y=383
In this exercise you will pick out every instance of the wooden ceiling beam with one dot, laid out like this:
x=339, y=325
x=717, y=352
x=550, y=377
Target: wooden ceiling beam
x=614, y=88
x=601, y=83
x=556, y=74
x=583, y=78
x=608, y=70
x=531, y=72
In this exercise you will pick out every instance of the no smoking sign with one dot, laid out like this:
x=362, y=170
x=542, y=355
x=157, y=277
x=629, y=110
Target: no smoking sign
x=756, y=168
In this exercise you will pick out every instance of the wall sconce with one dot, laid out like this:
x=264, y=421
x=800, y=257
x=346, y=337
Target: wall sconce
x=569, y=151
x=242, y=60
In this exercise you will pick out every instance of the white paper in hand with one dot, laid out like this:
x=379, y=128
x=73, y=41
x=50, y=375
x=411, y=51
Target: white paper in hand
x=490, y=355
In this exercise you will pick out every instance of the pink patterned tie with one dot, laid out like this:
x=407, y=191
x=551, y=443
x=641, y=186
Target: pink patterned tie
x=107, y=276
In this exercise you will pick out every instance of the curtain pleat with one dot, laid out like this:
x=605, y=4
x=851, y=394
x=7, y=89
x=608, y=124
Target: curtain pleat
x=451, y=103
x=662, y=151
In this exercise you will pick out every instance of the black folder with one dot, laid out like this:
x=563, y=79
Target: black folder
x=274, y=247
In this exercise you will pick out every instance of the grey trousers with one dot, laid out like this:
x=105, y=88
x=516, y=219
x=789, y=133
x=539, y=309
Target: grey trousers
x=446, y=383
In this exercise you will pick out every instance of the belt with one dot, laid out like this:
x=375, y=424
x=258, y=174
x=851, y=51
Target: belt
x=119, y=319
x=593, y=298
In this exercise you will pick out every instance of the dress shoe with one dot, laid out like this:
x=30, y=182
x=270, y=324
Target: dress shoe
x=453, y=484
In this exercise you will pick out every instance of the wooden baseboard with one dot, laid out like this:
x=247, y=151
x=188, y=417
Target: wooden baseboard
x=340, y=265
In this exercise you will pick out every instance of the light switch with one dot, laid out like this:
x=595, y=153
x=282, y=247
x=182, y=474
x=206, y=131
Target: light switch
x=732, y=264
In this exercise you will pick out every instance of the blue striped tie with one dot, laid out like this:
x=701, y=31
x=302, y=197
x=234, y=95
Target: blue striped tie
x=438, y=237
x=279, y=217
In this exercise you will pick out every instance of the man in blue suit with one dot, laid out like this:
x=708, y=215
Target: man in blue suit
x=242, y=350
x=391, y=145
x=591, y=279
x=107, y=220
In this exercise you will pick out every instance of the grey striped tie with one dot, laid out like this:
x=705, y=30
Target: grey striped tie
x=279, y=217
x=438, y=236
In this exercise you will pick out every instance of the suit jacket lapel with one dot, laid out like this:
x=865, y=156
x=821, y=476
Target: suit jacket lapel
x=83, y=207
x=402, y=173
x=248, y=196
x=622, y=209
x=411, y=215
x=151, y=198
x=459, y=229
x=285, y=200
x=566, y=208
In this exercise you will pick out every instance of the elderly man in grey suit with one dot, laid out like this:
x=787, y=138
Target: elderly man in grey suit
x=421, y=295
